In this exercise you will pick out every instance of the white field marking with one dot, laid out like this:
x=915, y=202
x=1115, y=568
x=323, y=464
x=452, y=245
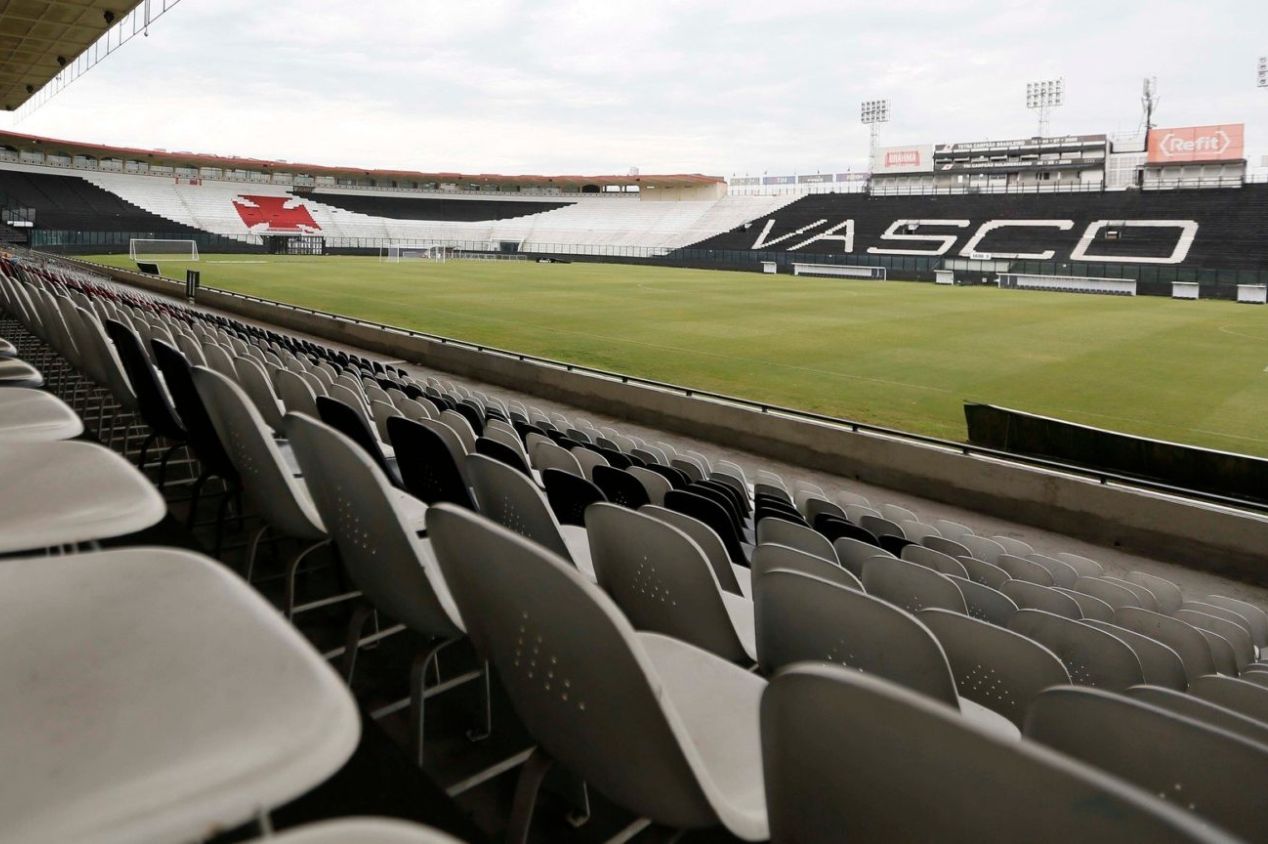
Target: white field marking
x=235, y=262
x=1225, y=329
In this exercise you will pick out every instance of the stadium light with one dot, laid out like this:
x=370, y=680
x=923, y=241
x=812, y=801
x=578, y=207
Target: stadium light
x=1263, y=71
x=1044, y=95
x=872, y=114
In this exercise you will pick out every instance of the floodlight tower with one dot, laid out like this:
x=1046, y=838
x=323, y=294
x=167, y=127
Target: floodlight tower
x=1044, y=95
x=872, y=114
x=1263, y=71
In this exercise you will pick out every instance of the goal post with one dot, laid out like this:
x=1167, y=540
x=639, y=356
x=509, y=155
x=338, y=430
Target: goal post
x=162, y=249
x=396, y=254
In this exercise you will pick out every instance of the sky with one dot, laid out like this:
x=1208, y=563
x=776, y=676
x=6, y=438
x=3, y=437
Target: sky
x=722, y=87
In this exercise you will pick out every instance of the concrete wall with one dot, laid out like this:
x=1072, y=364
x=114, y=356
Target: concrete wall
x=1227, y=542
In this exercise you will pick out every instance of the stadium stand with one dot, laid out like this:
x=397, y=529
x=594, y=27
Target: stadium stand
x=69, y=203
x=1226, y=228
x=511, y=599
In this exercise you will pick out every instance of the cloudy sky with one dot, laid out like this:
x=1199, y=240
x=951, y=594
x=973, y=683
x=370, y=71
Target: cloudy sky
x=597, y=86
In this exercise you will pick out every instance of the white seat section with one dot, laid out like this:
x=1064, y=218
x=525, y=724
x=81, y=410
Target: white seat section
x=60, y=493
x=29, y=414
x=245, y=210
x=177, y=702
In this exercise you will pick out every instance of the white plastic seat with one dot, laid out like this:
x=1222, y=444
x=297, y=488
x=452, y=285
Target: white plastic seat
x=851, y=757
x=360, y=831
x=30, y=414
x=781, y=532
x=19, y=373
x=663, y=582
x=584, y=683
x=731, y=578
x=173, y=702
x=1093, y=657
x=1214, y=773
x=62, y=493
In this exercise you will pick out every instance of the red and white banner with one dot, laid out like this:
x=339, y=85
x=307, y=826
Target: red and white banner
x=1222, y=142
x=913, y=159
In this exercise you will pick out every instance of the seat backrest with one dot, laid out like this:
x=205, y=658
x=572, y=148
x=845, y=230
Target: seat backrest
x=462, y=427
x=1235, y=632
x=936, y=560
x=1093, y=657
x=588, y=459
x=712, y=514
x=503, y=453
x=1166, y=593
x=654, y=484
x=177, y=374
x=547, y=455
x=985, y=603
x=1019, y=568
x=1180, y=636
x=1084, y=566
x=1194, y=764
x=427, y=466
x=1202, y=710
x=1089, y=605
x=780, y=532
x=950, y=547
x=1241, y=696
x=852, y=553
x=1031, y=596
x=1063, y=574
x=569, y=495
x=839, y=752
x=771, y=556
x=1147, y=599
x=254, y=381
x=509, y=498
x=1111, y=593
x=660, y=579
x=950, y=529
x=981, y=547
x=1160, y=664
x=156, y=409
x=803, y=617
x=296, y=393
x=220, y=360
x=356, y=504
x=620, y=487
x=992, y=665
x=910, y=586
x=881, y=526
x=574, y=669
x=350, y=422
x=706, y=538
x=983, y=572
x=266, y=479
x=1255, y=617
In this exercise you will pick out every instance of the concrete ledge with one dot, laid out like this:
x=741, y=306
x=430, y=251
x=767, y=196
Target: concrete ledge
x=1228, y=542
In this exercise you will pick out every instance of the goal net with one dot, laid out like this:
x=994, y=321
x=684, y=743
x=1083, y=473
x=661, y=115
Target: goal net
x=161, y=249
x=396, y=254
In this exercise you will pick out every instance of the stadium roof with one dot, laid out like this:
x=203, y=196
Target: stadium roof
x=20, y=142
x=40, y=37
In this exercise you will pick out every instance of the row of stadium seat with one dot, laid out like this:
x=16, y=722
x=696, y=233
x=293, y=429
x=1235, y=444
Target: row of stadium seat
x=620, y=588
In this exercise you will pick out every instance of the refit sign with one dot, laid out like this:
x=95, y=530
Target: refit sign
x=1223, y=142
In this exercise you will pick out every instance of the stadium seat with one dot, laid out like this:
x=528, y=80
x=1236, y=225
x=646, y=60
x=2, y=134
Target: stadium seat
x=30, y=414
x=1193, y=764
x=663, y=583
x=730, y=577
x=911, y=587
x=120, y=735
x=697, y=760
x=1093, y=657
x=1031, y=596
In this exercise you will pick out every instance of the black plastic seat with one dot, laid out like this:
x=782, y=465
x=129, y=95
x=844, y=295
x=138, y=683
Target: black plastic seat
x=677, y=478
x=741, y=505
x=712, y=514
x=428, y=471
x=620, y=487
x=503, y=453
x=348, y=422
x=835, y=527
x=724, y=501
x=616, y=458
x=894, y=544
x=472, y=415
x=152, y=402
x=569, y=496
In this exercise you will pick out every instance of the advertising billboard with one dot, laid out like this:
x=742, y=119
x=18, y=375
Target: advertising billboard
x=1221, y=142
x=911, y=159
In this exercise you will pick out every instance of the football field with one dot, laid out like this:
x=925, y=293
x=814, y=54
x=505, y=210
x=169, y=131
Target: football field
x=891, y=353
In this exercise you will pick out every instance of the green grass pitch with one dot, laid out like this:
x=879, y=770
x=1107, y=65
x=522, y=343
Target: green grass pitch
x=892, y=353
